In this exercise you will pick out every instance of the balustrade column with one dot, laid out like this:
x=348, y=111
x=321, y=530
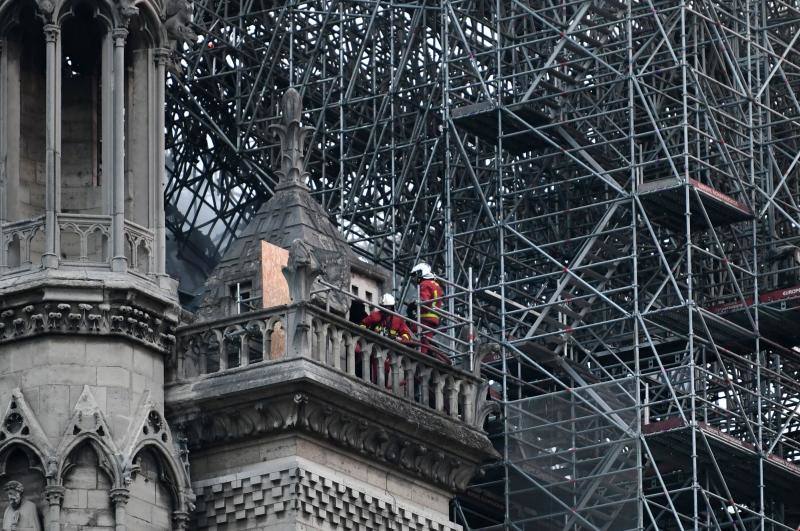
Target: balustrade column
x=120, y=497
x=438, y=390
x=180, y=362
x=396, y=364
x=52, y=149
x=54, y=495
x=244, y=350
x=351, y=355
x=118, y=261
x=222, y=353
x=470, y=398
x=452, y=399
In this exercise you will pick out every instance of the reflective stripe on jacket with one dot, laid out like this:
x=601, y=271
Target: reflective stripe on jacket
x=430, y=293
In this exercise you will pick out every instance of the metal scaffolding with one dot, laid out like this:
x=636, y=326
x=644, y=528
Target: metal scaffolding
x=621, y=179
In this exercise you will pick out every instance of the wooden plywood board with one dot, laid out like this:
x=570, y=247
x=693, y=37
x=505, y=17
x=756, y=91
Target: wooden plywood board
x=274, y=289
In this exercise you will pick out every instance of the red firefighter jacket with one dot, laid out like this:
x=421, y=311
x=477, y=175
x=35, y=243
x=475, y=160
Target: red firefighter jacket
x=430, y=293
x=389, y=325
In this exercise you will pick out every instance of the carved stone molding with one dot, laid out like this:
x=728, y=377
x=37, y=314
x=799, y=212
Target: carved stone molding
x=117, y=319
x=120, y=496
x=20, y=426
x=88, y=424
x=309, y=414
x=54, y=494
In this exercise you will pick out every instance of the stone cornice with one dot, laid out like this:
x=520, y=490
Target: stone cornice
x=103, y=319
x=88, y=308
x=300, y=395
x=310, y=414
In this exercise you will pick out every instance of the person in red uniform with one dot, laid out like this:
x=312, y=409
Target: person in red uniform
x=430, y=303
x=388, y=324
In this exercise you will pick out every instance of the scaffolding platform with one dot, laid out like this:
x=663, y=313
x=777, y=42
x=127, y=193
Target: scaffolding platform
x=779, y=313
x=481, y=120
x=557, y=363
x=707, y=326
x=738, y=459
x=518, y=119
x=665, y=201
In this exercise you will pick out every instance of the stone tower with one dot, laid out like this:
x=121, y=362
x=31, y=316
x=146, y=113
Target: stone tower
x=290, y=421
x=87, y=314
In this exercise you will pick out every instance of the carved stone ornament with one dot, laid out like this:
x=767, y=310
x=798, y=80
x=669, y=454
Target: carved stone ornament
x=178, y=22
x=308, y=414
x=292, y=134
x=46, y=7
x=20, y=514
x=21, y=426
x=301, y=271
x=88, y=424
x=140, y=325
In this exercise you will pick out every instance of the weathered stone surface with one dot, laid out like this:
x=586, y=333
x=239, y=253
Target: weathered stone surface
x=290, y=214
x=299, y=491
x=300, y=394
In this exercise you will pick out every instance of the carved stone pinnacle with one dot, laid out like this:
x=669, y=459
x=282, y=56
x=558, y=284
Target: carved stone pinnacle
x=292, y=134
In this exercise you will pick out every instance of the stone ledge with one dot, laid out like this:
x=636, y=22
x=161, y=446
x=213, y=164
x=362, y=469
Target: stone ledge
x=47, y=304
x=160, y=291
x=303, y=395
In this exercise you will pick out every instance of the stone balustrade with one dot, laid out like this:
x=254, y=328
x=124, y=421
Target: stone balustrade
x=22, y=244
x=207, y=350
x=83, y=242
x=84, y=239
x=139, y=247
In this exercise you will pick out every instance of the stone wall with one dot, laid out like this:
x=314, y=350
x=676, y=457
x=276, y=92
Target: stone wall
x=150, y=505
x=85, y=414
x=86, y=505
x=294, y=482
x=32, y=133
x=138, y=121
x=51, y=372
x=81, y=185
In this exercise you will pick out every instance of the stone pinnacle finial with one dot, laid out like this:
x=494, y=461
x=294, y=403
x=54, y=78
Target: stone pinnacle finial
x=292, y=134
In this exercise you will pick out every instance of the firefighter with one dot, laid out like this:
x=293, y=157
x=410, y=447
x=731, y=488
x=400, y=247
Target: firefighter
x=388, y=324
x=430, y=303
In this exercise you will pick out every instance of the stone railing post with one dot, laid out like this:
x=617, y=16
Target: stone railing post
x=120, y=497
x=180, y=360
x=451, y=391
x=396, y=365
x=350, y=362
x=300, y=272
x=469, y=390
x=54, y=494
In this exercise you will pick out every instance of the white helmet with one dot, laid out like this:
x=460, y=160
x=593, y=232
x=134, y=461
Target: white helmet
x=422, y=269
x=387, y=299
